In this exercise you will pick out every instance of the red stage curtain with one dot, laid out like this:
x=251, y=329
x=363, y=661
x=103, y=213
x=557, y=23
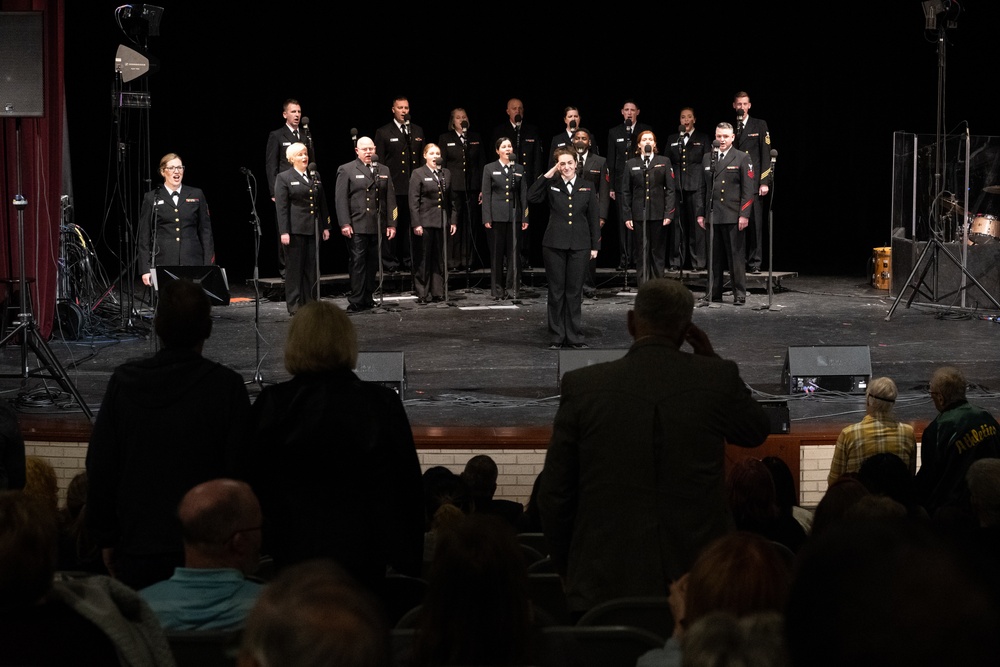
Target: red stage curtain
x=41, y=173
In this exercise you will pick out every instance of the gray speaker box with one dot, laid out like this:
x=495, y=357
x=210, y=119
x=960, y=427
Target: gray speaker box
x=846, y=368
x=385, y=368
x=982, y=261
x=570, y=360
x=777, y=414
x=21, y=80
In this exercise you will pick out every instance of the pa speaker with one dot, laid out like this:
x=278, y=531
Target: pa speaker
x=21, y=85
x=845, y=368
x=384, y=368
x=570, y=360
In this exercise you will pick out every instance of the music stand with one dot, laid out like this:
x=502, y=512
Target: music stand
x=211, y=279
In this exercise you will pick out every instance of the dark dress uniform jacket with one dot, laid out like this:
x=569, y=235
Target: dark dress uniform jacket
x=356, y=201
x=429, y=203
x=402, y=156
x=504, y=195
x=662, y=193
x=183, y=232
x=573, y=225
x=297, y=202
x=734, y=189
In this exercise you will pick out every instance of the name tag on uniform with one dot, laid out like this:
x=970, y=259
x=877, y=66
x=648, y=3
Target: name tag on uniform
x=636, y=168
x=286, y=143
x=392, y=139
x=161, y=202
x=428, y=179
x=498, y=173
x=452, y=143
x=295, y=183
x=555, y=189
x=359, y=176
x=620, y=140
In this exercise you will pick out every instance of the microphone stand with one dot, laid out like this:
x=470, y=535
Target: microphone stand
x=258, y=379
x=645, y=214
x=770, y=235
x=317, y=235
x=515, y=206
x=445, y=228
x=378, y=233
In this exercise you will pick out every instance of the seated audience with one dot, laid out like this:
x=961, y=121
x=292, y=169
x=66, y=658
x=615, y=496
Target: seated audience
x=480, y=475
x=221, y=525
x=785, y=493
x=890, y=593
x=44, y=622
x=740, y=573
x=887, y=475
x=78, y=552
x=721, y=639
x=11, y=449
x=879, y=432
x=332, y=459
x=839, y=497
x=477, y=610
x=961, y=434
x=313, y=615
x=754, y=505
x=41, y=482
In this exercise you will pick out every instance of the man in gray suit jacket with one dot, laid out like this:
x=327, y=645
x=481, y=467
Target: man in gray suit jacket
x=632, y=487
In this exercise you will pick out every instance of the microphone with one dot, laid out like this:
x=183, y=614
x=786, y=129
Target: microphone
x=244, y=171
x=572, y=125
x=305, y=123
x=517, y=121
x=739, y=114
x=375, y=160
x=774, y=155
x=354, y=134
x=681, y=129
x=437, y=162
x=647, y=150
x=465, y=126
x=311, y=169
x=628, y=123
x=406, y=123
x=715, y=151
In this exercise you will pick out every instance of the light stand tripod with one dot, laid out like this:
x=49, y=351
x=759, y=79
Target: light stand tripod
x=50, y=368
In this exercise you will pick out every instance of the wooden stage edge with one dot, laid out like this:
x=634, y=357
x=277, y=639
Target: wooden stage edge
x=786, y=446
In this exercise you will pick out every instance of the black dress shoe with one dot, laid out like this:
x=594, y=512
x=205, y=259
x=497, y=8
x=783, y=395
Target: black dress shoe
x=354, y=308
x=754, y=270
x=739, y=301
x=555, y=346
x=579, y=346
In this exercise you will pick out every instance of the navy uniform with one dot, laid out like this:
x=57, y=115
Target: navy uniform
x=688, y=238
x=369, y=216
x=183, y=231
x=463, y=157
x=505, y=203
x=729, y=194
x=528, y=152
x=648, y=197
x=574, y=230
x=299, y=201
x=431, y=209
x=755, y=140
x=275, y=162
x=402, y=152
x=595, y=169
x=621, y=149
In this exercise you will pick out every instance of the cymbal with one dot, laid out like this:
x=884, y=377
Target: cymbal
x=992, y=189
x=952, y=205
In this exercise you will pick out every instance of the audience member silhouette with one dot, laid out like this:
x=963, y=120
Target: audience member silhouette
x=836, y=501
x=332, y=459
x=11, y=449
x=78, y=551
x=480, y=475
x=890, y=593
x=785, y=493
x=314, y=615
x=754, y=505
x=46, y=622
x=166, y=424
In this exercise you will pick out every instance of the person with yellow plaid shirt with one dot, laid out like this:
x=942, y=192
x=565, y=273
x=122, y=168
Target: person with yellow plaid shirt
x=878, y=433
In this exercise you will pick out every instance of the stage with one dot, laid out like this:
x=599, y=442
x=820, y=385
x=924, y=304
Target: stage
x=478, y=366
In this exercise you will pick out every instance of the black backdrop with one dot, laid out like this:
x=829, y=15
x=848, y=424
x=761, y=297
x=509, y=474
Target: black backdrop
x=833, y=85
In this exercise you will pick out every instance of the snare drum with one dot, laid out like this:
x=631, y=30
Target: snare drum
x=882, y=259
x=984, y=229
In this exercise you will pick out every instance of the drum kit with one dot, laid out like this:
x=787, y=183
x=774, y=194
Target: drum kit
x=983, y=228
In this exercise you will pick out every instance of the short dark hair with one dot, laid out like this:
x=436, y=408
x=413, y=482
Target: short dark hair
x=28, y=545
x=183, y=315
x=289, y=101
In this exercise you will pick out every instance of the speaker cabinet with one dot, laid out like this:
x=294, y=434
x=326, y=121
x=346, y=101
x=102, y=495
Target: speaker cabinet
x=21, y=80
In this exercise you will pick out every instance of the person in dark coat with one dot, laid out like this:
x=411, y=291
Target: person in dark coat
x=332, y=459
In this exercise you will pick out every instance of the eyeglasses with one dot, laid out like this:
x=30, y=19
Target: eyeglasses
x=180, y=168
x=244, y=530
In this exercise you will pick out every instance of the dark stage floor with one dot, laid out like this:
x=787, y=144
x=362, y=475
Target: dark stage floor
x=471, y=362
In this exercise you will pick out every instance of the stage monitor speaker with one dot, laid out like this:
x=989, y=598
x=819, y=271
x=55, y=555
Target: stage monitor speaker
x=570, y=360
x=777, y=413
x=846, y=368
x=384, y=368
x=21, y=80
x=211, y=279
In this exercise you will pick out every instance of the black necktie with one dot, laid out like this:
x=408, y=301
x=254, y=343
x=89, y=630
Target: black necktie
x=647, y=163
x=569, y=188
x=176, y=196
